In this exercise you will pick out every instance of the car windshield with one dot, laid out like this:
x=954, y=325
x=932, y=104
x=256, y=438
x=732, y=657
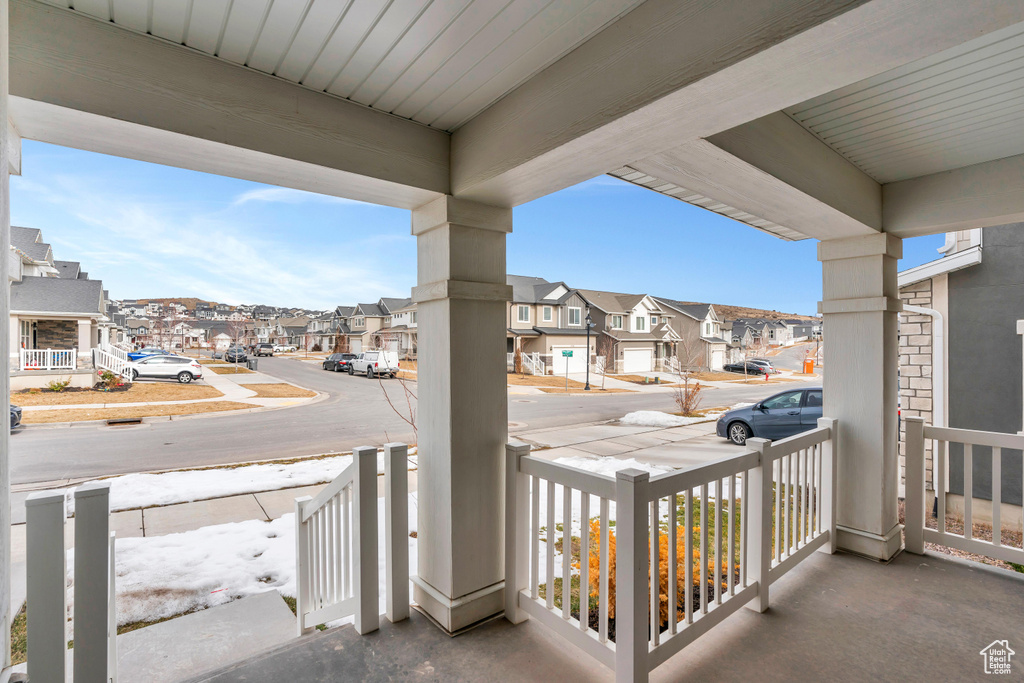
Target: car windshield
x=787, y=400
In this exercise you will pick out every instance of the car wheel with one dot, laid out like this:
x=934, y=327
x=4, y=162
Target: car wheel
x=369, y=373
x=351, y=371
x=338, y=367
x=135, y=375
x=185, y=377
x=325, y=366
x=739, y=433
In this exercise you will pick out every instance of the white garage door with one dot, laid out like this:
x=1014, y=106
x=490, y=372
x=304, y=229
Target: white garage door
x=357, y=346
x=717, y=360
x=637, y=360
x=577, y=362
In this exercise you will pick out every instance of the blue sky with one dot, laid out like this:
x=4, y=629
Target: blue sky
x=153, y=231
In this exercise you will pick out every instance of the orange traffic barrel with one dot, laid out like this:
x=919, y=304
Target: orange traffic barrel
x=808, y=366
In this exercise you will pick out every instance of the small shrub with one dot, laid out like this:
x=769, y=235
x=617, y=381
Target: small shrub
x=58, y=384
x=110, y=380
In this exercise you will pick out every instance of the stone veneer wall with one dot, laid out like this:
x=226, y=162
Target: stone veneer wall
x=916, y=369
x=56, y=334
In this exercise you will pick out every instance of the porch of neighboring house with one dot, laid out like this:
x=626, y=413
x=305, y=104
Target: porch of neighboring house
x=52, y=349
x=736, y=111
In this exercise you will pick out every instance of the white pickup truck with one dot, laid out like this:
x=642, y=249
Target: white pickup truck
x=373, y=363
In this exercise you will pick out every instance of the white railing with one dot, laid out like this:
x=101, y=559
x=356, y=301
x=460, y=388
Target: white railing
x=660, y=528
x=116, y=351
x=336, y=544
x=992, y=445
x=95, y=614
x=533, y=364
x=49, y=359
x=104, y=360
x=669, y=364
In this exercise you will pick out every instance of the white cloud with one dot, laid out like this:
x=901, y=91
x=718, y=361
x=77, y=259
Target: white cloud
x=148, y=247
x=286, y=195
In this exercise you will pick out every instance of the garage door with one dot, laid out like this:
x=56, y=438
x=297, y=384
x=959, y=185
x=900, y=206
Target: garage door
x=357, y=346
x=577, y=362
x=717, y=360
x=637, y=360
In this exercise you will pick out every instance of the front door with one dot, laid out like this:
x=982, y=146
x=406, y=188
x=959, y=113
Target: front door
x=779, y=416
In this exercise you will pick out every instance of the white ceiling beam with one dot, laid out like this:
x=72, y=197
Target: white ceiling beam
x=670, y=72
x=976, y=196
x=91, y=82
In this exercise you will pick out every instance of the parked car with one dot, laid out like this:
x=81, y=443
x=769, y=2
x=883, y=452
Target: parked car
x=15, y=416
x=373, y=363
x=776, y=417
x=752, y=368
x=338, y=362
x=767, y=364
x=283, y=348
x=263, y=350
x=235, y=354
x=184, y=369
x=147, y=351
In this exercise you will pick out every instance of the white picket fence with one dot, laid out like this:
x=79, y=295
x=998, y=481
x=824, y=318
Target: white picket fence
x=735, y=500
x=108, y=358
x=95, y=614
x=48, y=359
x=336, y=544
x=916, y=531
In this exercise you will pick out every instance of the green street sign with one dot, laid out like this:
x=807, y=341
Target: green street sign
x=567, y=354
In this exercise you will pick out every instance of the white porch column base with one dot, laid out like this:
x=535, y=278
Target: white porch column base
x=462, y=423
x=861, y=305
x=874, y=546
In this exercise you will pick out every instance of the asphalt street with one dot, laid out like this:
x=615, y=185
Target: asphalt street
x=355, y=413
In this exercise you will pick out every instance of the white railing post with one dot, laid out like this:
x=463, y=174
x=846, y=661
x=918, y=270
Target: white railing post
x=914, y=488
x=396, y=529
x=92, y=581
x=302, y=600
x=517, y=540
x=632, y=572
x=364, y=525
x=48, y=355
x=112, y=613
x=759, y=523
x=46, y=563
x=829, y=481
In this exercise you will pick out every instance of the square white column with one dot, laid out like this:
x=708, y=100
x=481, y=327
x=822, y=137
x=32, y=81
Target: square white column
x=462, y=419
x=5, y=350
x=861, y=305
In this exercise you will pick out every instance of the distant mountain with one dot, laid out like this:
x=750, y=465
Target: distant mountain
x=727, y=312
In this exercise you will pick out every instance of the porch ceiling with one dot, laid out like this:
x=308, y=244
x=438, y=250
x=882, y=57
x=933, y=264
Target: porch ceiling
x=435, y=62
x=956, y=108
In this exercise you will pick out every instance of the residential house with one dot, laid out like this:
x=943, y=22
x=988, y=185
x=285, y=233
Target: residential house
x=547, y=320
x=138, y=331
x=635, y=329
x=291, y=331
x=56, y=314
x=400, y=331
x=321, y=332
x=772, y=332
x=364, y=324
x=700, y=334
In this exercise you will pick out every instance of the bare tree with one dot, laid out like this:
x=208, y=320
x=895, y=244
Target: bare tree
x=690, y=358
x=606, y=351
x=409, y=416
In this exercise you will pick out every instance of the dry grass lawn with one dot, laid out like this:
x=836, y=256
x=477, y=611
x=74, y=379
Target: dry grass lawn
x=759, y=379
x=542, y=381
x=229, y=370
x=638, y=379
x=714, y=376
x=278, y=391
x=138, y=392
x=594, y=389
x=81, y=415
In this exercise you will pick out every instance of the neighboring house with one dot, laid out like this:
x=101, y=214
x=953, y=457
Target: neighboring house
x=771, y=332
x=138, y=332
x=291, y=331
x=321, y=332
x=960, y=356
x=57, y=317
x=636, y=327
x=549, y=319
x=400, y=331
x=700, y=331
x=364, y=322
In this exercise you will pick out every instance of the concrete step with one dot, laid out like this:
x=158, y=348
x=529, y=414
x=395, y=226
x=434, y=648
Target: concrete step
x=189, y=646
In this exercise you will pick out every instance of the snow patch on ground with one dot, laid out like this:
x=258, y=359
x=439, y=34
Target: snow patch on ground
x=655, y=418
x=163, y=576
x=133, y=491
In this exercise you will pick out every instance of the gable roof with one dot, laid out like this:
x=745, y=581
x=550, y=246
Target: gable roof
x=344, y=311
x=57, y=295
x=391, y=305
x=68, y=269
x=29, y=242
x=614, y=302
x=371, y=310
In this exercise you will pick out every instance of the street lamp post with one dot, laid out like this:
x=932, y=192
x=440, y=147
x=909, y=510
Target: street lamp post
x=587, y=388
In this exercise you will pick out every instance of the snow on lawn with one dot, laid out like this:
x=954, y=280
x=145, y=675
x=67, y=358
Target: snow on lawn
x=133, y=491
x=655, y=418
x=163, y=576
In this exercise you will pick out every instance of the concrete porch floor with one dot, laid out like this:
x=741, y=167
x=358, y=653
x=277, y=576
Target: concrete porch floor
x=838, y=618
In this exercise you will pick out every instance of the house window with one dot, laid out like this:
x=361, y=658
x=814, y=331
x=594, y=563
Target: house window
x=707, y=329
x=641, y=323
x=26, y=334
x=616, y=322
x=547, y=314
x=575, y=315
x=654, y=321
x=412, y=317
x=523, y=315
